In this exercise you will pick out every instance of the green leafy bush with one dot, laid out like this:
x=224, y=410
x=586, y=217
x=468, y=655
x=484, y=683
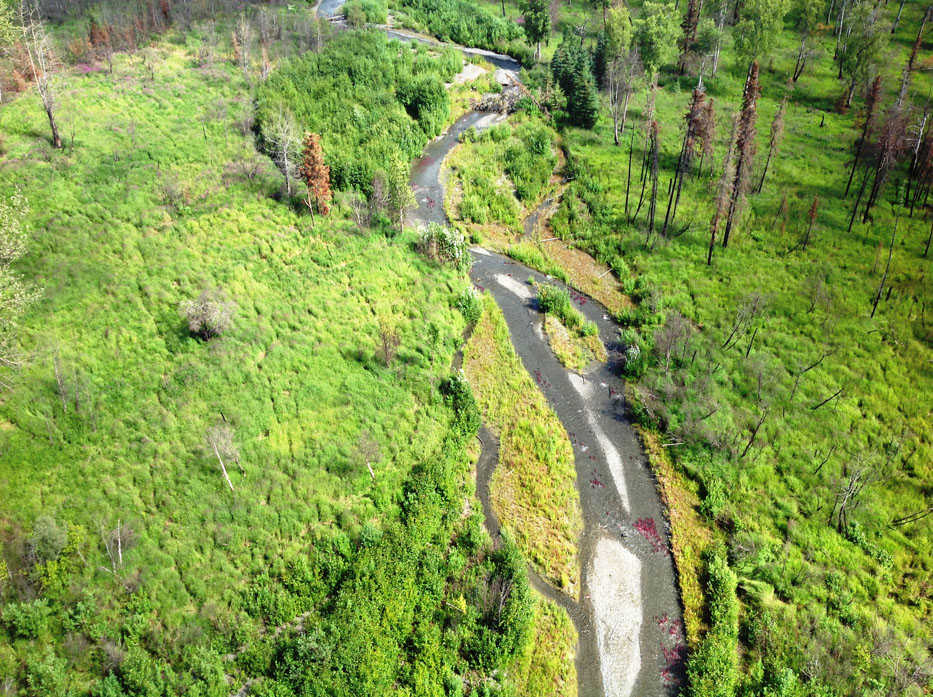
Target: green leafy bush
x=27, y=620
x=361, y=12
x=556, y=301
x=463, y=22
x=373, y=101
x=444, y=244
x=712, y=670
x=459, y=396
x=470, y=305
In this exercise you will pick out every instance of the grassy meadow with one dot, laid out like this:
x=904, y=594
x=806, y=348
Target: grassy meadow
x=339, y=558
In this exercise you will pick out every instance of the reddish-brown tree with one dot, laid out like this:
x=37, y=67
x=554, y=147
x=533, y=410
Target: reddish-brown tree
x=724, y=192
x=315, y=174
x=707, y=136
x=744, y=148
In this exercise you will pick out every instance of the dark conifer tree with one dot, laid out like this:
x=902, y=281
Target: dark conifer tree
x=690, y=24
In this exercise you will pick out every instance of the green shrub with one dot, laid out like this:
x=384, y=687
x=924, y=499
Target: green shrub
x=532, y=256
x=426, y=100
x=556, y=301
x=46, y=676
x=373, y=101
x=463, y=22
x=27, y=620
x=712, y=671
x=361, y=12
x=47, y=541
x=459, y=396
x=443, y=244
x=470, y=305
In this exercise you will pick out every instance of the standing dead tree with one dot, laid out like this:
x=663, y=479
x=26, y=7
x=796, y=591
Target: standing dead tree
x=811, y=219
x=891, y=147
x=884, y=276
x=848, y=497
x=242, y=39
x=316, y=175
x=117, y=541
x=283, y=137
x=912, y=59
x=42, y=63
x=871, y=104
x=694, y=126
x=723, y=192
x=777, y=133
x=744, y=148
x=620, y=79
x=650, y=92
x=653, y=157
x=707, y=136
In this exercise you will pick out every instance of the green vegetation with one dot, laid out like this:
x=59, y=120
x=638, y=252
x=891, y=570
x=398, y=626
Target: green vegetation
x=556, y=301
x=575, y=351
x=532, y=490
x=373, y=100
x=754, y=426
x=210, y=468
x=713, y=669
x=460, y=22
x=573, y=339
x=359, y=13
x=495, y=174
x=547, y=665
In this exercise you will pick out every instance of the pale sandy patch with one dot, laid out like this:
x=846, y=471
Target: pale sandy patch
x=470, y=72
x=613, y=458
x=615, y=589
x=517, y=287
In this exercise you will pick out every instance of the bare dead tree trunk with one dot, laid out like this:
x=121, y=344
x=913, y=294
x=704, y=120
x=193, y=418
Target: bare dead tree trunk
x=887, y=267
x=911, y=60
x=751, y=440
x=897, y=20
x=223, y=468
x=628, y=174
x=41, y=63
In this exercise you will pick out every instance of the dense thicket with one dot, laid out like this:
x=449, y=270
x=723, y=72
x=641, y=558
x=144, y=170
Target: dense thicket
x=373, y=101
x=463, y=22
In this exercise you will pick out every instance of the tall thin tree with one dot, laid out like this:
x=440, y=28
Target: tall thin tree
x=694, y=125
x=744, y=148
x=724, y=191
x=42, y=63
x=871, y=105
x=774, y=142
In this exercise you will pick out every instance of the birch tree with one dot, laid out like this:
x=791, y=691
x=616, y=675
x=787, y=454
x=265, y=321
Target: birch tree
x=42, y=63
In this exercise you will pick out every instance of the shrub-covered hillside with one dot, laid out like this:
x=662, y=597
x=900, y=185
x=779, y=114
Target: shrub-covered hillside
x=230, y=455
